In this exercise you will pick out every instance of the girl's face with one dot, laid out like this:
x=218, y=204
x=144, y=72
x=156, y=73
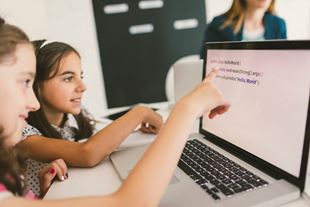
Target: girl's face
x=258, y=4
x=16, y=95
x=63, y=93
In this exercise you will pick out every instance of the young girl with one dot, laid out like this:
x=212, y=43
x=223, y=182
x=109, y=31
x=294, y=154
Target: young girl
x=59, y=87
x=16, y=100
x=205, y=99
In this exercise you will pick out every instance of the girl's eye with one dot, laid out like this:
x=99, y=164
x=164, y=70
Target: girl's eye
x=68, y=79
x=27, y=83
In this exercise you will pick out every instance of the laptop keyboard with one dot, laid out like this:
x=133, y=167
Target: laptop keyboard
x=217, y=175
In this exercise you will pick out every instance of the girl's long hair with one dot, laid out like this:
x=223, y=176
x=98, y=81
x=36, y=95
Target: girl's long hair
x=235, y=15
x=48, y=60
x=12, y=168
x=12, y=164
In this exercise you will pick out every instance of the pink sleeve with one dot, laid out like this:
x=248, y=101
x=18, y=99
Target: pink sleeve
x=31, y=196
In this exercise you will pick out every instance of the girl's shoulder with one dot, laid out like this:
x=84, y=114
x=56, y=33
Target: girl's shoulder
x=29, y=131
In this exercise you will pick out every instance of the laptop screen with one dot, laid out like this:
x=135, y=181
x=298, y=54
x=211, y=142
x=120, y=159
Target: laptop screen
x=268, y=89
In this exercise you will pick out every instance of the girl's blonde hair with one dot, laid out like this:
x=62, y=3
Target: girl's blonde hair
x=12, y=164
x=235, y=15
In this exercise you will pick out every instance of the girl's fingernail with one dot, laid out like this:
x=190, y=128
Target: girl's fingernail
x=62, y=178
x=52, y=171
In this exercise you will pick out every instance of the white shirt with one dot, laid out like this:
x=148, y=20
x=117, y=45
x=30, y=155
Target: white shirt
x=256, y=35
x=33, y=167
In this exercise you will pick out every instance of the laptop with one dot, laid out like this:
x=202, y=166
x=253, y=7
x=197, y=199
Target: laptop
x=255, y=154
x=186, y=76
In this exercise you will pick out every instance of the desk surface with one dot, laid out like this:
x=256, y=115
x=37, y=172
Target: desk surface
x=103, y=179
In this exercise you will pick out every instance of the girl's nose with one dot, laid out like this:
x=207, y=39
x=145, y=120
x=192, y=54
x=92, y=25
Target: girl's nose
x=81, y=86
x=33, y=103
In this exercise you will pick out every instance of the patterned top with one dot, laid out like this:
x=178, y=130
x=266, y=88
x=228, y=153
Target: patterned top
x=33, y=167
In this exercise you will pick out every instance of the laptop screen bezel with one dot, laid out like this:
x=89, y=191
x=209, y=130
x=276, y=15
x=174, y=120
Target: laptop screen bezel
x=259, y=163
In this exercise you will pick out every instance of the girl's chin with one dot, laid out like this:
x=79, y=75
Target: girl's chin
x=13, y=136
x=75, y=111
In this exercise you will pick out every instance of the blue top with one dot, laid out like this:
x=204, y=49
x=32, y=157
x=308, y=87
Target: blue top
x=275, y=28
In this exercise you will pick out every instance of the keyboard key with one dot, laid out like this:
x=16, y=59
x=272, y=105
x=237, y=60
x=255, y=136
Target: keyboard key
x=185, y=168
x=216, y=197
x=215, y=190
x=201, y=181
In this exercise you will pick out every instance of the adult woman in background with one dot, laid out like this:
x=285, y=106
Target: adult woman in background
x=247, y=20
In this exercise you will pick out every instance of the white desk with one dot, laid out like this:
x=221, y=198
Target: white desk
x=99, y=180
x=103, y=179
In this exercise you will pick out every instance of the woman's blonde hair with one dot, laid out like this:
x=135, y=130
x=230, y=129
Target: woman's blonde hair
x=235, y=15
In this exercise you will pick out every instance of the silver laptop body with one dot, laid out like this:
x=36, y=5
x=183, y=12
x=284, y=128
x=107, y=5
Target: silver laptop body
x=284, y=182
x=187, y=75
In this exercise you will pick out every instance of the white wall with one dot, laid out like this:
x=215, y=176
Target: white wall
x=297, y=16
x=72, y=21
x=28, y=15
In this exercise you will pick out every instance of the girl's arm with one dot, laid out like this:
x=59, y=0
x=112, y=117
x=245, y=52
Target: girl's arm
x=146, y=184
x=97, y=147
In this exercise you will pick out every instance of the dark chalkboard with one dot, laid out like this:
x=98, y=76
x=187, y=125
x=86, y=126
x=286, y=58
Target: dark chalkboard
x=135, y=63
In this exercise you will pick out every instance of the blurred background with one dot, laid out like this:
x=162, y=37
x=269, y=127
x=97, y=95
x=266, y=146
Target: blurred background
x=74, y=22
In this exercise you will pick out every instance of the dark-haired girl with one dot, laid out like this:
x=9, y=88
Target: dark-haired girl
x=54, y=128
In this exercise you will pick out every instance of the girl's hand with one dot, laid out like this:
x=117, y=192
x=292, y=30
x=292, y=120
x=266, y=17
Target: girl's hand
x=206, y=98
x=151, y=121
x=48, y=173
